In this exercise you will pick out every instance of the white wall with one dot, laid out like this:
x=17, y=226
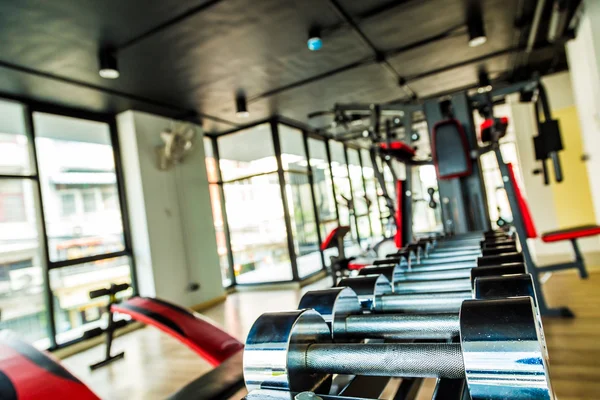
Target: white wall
x=170, y=214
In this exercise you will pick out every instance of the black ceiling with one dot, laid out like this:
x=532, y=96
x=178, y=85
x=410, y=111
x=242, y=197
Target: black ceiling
x=187, y=58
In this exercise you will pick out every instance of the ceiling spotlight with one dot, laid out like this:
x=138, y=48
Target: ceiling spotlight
x=241, y=108
x=475, y=25
x=397, y=121
x=366, y=133
x=314, y=42
x=108, y=64
x=414, y=136
x=485, y=85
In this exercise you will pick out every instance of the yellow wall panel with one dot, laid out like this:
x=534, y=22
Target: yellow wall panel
x=572, y=197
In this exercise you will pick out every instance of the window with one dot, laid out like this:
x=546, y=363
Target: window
x=82, y=217
x=258, y=233
x=67, y=202
x=341, y=183
x=110, y=199
x=254, y=206
x=323, y=186
x=246, y=153
x=12, y=201
x=217, y=211
x=22, y=306
x=372, y=195
x=75, y=160
x=89, y=201
x=15, y=152
x=362, y=203
x=300, y=201
x=74, y=311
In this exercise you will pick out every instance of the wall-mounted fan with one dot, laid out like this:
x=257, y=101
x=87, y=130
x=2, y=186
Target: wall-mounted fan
x=178, y=141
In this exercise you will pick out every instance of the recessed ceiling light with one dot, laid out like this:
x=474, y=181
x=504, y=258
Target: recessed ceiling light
x=475, y=25
x=108, y=64
x=241, y=107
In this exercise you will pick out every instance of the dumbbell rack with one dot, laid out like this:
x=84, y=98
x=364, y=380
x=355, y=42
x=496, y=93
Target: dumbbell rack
x=338, y=337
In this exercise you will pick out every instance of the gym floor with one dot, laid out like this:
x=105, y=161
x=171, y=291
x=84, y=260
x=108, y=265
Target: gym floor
x=157, y=365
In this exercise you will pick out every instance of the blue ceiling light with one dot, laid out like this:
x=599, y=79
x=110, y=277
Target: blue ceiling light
x=314, y=42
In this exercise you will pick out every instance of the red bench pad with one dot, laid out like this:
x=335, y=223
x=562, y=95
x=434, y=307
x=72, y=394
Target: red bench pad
x=571, y=233
x=28, y=374
x=198, y=333
x=400, y=149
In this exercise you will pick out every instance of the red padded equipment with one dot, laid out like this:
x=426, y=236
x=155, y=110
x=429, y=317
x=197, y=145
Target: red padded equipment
x=198, y=333
x=399, y=199
x=399, y=150
x=485, y=129
x=29, y=374
x=331, y=239
x=356, y=266
x=548, y=237
x=571, y=233
x=523, y=207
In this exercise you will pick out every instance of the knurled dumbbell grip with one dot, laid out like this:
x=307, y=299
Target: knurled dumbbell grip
x=416, y=360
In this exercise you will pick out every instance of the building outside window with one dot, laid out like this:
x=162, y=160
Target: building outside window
x=254, y=207
x=82, y=218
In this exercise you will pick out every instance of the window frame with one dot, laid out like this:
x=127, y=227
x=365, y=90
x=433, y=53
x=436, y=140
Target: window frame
x=30, y=107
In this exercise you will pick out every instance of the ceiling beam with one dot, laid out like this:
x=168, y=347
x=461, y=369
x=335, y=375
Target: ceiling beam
x=117, y=93
x=453, y=31
x=379, y=55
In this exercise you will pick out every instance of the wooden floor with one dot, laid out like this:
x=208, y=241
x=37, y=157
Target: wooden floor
x=156, y=365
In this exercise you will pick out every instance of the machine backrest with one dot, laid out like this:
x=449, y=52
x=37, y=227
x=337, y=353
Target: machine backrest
x=450, y=150
x=198, y=333
x=27, y=373
x=530, y=229
x=331, y=241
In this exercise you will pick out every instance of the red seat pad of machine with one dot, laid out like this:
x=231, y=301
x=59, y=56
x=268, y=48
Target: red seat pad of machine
x=198, y=333
x=27, y=374
x=399, y=149
x=571, y=233
x=548, y=237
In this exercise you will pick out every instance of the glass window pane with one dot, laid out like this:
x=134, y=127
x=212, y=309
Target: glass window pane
x=15, y=153
x=341, y=182
x=293, y=156
x=247, y=153
x=215, y=201
x=22, y=306
x=371, y=186
x=74, y=311
x=304, y=226
x=257, y=226
x=76, y=165
x=323, y=186
x=425, y=218
x=362, y=203
x=211, y=162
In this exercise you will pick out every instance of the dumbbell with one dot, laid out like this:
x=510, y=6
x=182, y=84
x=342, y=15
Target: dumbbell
x=470, y=263
x=499, y=353
x=376, y=290
x=410, y=258
x=341, y=309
